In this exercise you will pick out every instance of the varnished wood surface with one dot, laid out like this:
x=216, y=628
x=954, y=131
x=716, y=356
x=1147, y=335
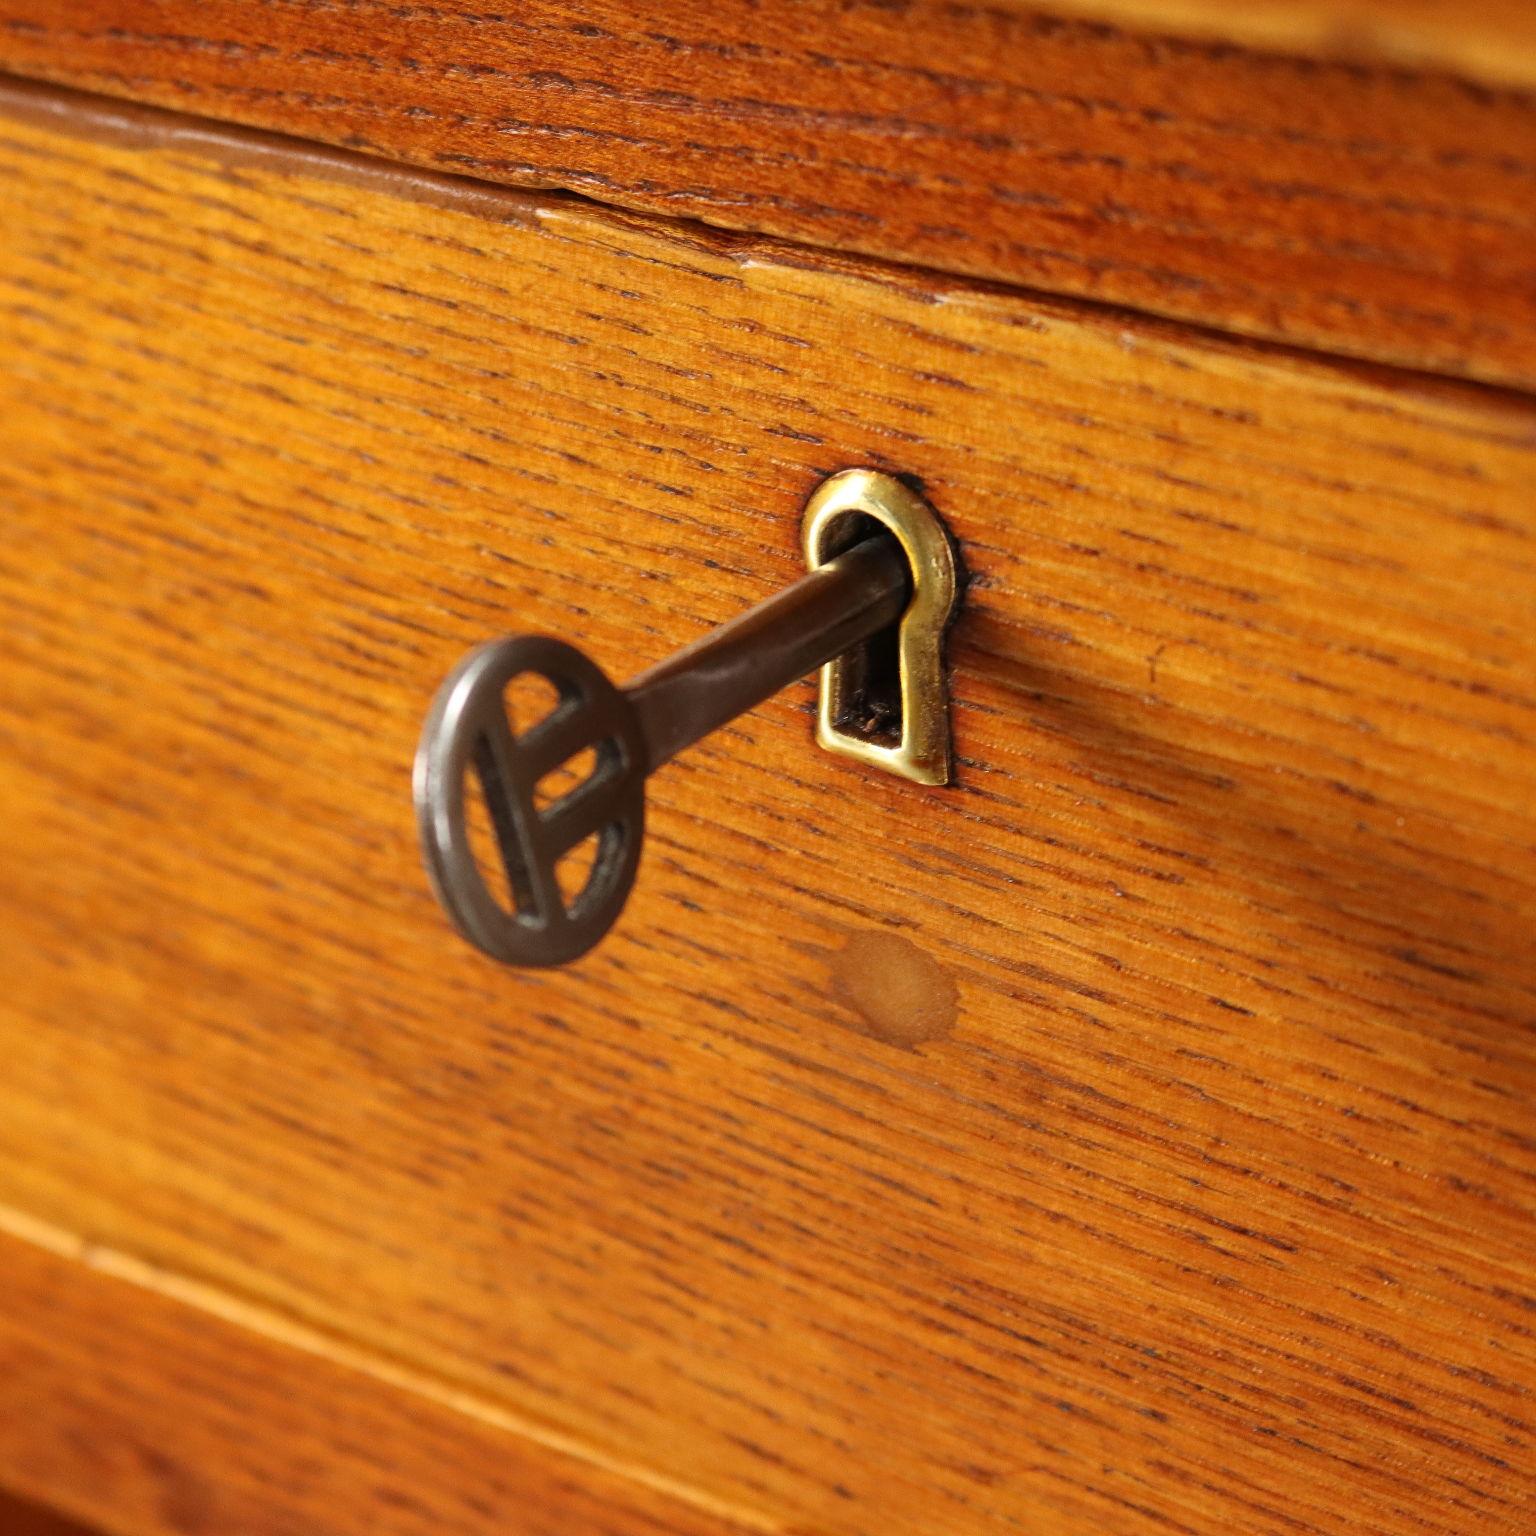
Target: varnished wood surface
x=1378, y=213
x=1209, y=1208
x=146, y=1415
x=21, y=1518
x=1488, y=40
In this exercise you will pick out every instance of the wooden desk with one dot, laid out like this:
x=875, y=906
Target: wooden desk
x=1203, y=1202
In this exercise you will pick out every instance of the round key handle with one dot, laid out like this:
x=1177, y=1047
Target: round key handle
x=469, y=730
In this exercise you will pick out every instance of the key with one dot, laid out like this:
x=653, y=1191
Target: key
x=631, y=732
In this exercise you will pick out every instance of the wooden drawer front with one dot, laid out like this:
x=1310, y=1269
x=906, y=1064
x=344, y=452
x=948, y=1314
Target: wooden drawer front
x=1207, y=1202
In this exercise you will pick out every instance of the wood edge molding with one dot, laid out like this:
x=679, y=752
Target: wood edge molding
x=1369, y=210
x=142, y=1287
x=98, y=118
x=137, y=125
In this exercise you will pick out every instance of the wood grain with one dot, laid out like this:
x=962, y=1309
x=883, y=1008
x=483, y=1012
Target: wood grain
x=21, y=1518
x=1378, y=213
x=1489, y=40
x=1211, y=1211
x=144, y=1416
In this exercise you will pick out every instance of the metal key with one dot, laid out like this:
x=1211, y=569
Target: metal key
x=630, y=732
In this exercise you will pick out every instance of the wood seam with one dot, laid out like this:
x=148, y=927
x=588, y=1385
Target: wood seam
x=1368, y=211
x=96, y=117
x=266, y=1324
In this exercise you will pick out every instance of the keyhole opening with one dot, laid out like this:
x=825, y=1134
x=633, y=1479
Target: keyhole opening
x=869, y=702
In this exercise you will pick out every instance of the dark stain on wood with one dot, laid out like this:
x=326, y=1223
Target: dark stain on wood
x=895, y=992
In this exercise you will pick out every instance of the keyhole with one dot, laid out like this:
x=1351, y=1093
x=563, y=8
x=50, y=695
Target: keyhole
x=869, y=702
x=886, y=702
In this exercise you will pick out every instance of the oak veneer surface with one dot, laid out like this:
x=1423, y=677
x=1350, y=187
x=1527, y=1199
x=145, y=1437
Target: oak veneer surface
x=149, y=1415
x=1375, y=212
x=1489, y=40
x=1205, y=1204
x=19, y=1518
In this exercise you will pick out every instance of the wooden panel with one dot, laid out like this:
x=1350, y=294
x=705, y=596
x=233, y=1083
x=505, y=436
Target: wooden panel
x=1379, y=214
x=1209, y=1208
x=1490, y=40
x=148, y=1417
x=21, y=1518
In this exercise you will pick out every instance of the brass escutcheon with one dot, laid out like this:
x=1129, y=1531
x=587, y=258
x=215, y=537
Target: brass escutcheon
x=832, y=523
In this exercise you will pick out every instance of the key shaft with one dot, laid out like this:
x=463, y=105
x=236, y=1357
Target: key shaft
x=749, y=659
